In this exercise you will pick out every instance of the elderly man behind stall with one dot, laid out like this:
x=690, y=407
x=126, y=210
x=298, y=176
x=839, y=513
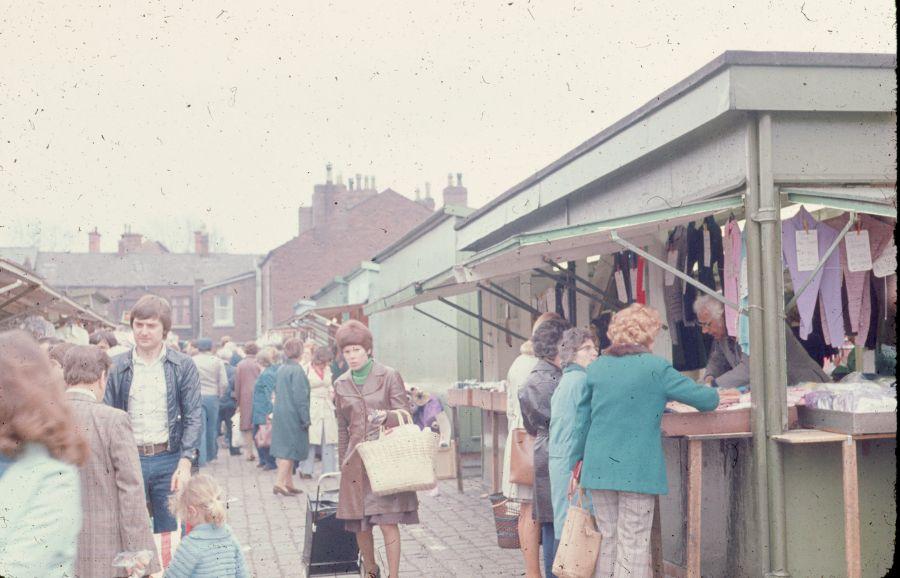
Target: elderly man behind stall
x=728, y=366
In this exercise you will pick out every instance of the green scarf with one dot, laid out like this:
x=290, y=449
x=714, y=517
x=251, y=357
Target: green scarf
x=359, y=376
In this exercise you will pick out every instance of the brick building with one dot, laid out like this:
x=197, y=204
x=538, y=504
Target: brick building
x=344, y=226
x=115, y=281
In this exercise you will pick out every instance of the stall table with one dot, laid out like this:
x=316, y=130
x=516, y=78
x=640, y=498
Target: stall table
x=850, y=482
x=488, y=401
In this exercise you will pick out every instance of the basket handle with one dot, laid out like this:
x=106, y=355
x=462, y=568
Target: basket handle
x=403, y=416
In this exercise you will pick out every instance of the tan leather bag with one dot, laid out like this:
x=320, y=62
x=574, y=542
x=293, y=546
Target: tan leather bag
x=521, y=458
x=579, y=544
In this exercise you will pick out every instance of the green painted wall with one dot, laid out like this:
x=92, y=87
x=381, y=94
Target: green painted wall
x=814, y=503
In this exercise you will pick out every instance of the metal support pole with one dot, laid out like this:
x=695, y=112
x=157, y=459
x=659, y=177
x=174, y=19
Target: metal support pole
x=768, y=216
x=686, y=278
x=821, y=263
x=613, y=300
x=573, y=300
x=501, y=293
x=445, y=324
x=481, y=318
x=757, y=360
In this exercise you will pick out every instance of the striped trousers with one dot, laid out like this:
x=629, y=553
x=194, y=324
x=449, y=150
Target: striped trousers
x=624, y=520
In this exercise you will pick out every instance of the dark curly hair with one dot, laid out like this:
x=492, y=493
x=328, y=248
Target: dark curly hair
x=547, y=336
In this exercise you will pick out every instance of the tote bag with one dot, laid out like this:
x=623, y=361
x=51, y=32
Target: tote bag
x=521, y=458
x=579, y=545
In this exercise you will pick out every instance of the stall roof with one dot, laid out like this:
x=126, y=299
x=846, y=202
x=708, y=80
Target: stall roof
x=323, y=315
x=23, y=293
x=872, y=200
x=734, y=81
x=447, y=283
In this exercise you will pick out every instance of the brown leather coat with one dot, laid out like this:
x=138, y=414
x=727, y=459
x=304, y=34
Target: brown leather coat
x=383, y=389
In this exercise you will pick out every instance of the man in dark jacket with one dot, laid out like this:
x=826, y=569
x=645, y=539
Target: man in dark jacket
x=227, y=407
x=159, y=388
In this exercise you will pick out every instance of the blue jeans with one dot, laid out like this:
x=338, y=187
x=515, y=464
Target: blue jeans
x=329, y=459
x=157, y=473
x=209, y=450
x=548, y=541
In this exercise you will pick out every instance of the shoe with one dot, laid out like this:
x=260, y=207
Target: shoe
x=269, y=467
x=281, y=491
x=376, y=573
x=261, y=465
x=295, y=491
x=251, y=457
x=235, y=451
x=305, y=476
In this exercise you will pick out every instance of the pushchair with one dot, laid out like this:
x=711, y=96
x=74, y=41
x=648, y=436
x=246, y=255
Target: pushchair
x=328, y=548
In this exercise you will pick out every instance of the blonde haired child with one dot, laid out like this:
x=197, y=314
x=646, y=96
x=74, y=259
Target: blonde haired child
x=210, y=550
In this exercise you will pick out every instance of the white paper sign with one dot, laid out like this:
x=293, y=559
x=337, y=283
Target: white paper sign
x=886, y=263
x=807, y=250
x=672, y=260
x=707, y=250
x=620, y=287
x=859, y=253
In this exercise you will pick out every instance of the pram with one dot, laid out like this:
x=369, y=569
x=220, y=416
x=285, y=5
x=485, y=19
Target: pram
x=328, y=549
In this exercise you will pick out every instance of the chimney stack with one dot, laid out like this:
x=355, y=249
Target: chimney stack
x=456, y=195
x=201, y=243
x=350, y=180
x=328, y=173
x=94, y=241
x=129, y=242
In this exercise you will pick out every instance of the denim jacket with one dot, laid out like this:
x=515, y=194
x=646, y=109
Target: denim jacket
x=182, y=397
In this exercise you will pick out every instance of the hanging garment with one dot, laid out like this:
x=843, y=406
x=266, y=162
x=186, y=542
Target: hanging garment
x=622, y=277
x=859, y=303
x=632, y=259
x=731, y=271
x=640, y=294
x=710, y=263
x=826, y=283
x=676, y=256
x=694, y=257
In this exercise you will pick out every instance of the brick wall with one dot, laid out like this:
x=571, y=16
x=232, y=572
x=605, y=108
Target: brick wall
x=243, y=294
x=306, y=263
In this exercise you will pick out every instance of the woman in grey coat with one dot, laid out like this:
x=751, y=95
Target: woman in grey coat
x=534, y=399
x=290, y=418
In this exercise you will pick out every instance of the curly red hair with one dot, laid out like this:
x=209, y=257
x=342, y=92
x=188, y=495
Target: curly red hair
x=33, y=407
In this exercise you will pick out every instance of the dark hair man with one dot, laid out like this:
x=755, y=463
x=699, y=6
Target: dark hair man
x=159, y=388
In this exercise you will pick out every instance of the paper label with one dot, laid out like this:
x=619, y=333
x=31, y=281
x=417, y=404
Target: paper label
x=807, y=250
x=672, y=260
x=859, y=253
x=620, y=287
x=707, y=251
x=886, y=263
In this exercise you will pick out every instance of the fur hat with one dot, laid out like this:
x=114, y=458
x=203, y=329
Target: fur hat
x=354, y=333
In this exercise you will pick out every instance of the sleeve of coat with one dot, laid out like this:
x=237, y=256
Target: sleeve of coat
x=343, y=429
x=399, y=397
x=133, y=529
x=685, y=390
x=223, y=380
x=582, y=422
x=717, y=364
x=191, y=412
x=301, y=388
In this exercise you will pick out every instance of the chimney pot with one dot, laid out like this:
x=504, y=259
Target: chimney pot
x=201, y=243
x=458, y=179
x=367, y=182
x=350, y=180
x=373, y=181
x=449, y=179
x=427, y=190
x=328, y=173
x=94, y=241
x=358, y=181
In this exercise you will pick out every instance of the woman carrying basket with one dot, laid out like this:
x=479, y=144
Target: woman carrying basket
x=363, y=398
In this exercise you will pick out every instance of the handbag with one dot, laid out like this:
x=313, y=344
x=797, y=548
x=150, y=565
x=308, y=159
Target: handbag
x=263, y=435
x=521, y=457
x=579, y=545
x=445, y=462
x=401, y=459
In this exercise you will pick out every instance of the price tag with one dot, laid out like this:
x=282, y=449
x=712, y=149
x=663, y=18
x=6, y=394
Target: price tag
x=886, y=263
x=707, y=251
x=672, y=260
x=807, y=250
x=620, y=287
x=859, y=253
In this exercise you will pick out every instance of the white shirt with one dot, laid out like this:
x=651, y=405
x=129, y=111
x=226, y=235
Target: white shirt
x=147, y=406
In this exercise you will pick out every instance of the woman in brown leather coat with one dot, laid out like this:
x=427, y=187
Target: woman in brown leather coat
x=363, y=397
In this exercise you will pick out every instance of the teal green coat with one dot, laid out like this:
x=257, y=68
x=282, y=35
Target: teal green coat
x=290, y=417
x=563, y=412
x=617, y=429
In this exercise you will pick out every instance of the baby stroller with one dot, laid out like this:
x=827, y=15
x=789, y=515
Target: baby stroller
x=328, y=549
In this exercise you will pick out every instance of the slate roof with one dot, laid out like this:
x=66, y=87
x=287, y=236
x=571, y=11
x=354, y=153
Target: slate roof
x=65, y=270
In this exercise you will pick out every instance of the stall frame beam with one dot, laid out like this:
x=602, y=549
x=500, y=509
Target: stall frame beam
x=450, y=326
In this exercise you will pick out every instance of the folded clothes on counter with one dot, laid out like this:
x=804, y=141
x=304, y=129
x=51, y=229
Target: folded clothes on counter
x=856, y=394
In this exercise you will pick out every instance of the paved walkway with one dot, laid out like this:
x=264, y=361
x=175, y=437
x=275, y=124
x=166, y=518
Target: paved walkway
x=456, y=535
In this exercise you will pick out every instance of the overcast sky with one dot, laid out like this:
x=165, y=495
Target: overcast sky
x=166, y=115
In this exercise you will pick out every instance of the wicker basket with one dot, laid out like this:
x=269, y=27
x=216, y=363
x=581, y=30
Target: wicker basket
x=401, y=459
x=506, y=520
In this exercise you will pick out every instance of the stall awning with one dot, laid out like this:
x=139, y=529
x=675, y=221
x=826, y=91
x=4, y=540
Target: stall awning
x=447, y=283
x=532, y=250
x=873, y=200
x=23, y=293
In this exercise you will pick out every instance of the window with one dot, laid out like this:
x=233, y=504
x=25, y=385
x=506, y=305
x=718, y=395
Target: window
x=223, y=314
x=181, y=311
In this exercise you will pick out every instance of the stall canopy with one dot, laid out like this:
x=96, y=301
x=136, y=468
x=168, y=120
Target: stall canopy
x=23, y=293
x=534, y=250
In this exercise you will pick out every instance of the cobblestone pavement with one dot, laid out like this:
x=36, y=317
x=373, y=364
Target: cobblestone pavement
x=455, y=536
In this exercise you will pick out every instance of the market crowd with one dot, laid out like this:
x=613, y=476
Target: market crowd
x=102, y=444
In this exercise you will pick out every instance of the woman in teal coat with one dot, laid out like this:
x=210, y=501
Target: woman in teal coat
x=576, y=351
x=290, y=418
x=618, y=437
